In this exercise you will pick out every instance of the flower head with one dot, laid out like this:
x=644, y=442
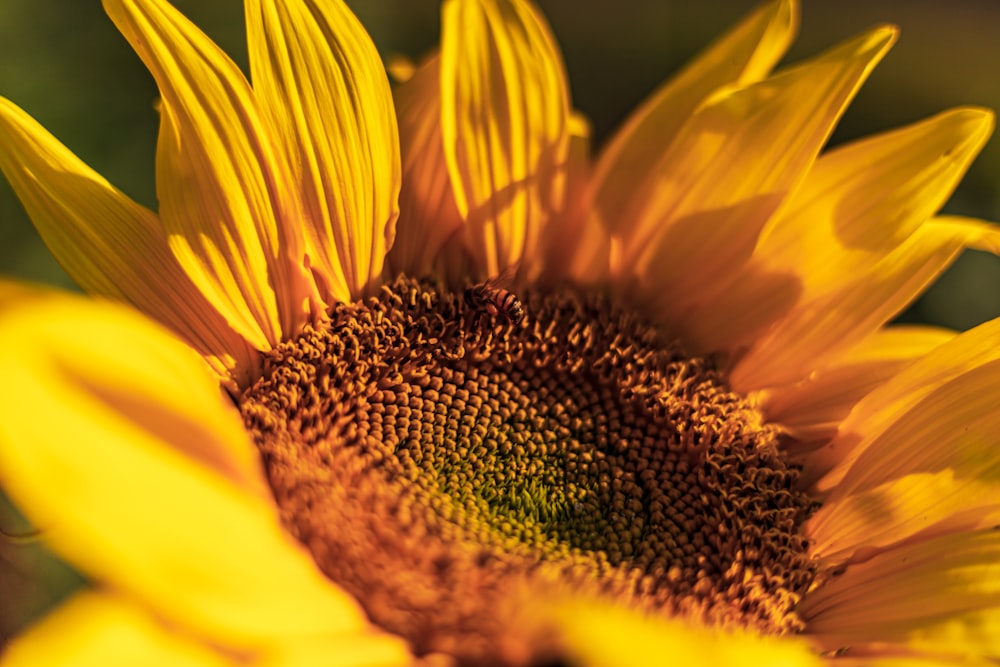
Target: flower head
x=490, y=399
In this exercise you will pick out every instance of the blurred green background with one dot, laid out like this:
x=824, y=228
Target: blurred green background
x=64, y=62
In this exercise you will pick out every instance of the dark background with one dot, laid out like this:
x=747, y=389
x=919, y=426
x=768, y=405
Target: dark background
x=65, y=63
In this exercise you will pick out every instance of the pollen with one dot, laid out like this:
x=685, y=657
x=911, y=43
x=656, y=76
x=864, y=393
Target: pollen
x=438, y=461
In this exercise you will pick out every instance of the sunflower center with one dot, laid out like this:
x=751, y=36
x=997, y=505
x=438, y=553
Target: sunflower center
x=444, y=462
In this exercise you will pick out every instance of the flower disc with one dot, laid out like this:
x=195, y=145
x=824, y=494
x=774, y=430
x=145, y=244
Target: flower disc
x=439, y=460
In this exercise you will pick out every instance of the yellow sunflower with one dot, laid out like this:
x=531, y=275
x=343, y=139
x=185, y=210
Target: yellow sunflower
x=428, y=383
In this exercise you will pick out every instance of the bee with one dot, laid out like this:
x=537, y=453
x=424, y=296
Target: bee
x=493, y=300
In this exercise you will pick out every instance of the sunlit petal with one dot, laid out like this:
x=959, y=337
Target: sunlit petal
x=696, y=213
x=858, y=203
x=878, y=410
x=100, y=630
x=937, y=461
x=321, y=84
x=742, y=56
x=224, y=192
x=605, y=636
x=939, y=595
x=162, y=493
x=504, y=112
x=834, y=321
x=813, y=409
x=109, y=244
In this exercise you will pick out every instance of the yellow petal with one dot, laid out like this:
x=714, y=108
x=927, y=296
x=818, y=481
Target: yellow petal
x=880, y=409
x=820, y=329
x=598, y=635
x=117, y=443
x=358, y=649
x=742, y=56
x=932, y=470
x=112, y=246
x=224, y=192
x=428, y=214
x=940, y=595
x=321, y=84
x=862, y=200
x=813, y=409
x=574, y=244
x=102, y=630
x=901, y=656
x=504, y=111
x=696, y=213
x=858, y=203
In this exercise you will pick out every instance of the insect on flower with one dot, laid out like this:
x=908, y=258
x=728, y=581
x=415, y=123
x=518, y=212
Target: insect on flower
x=491, y=299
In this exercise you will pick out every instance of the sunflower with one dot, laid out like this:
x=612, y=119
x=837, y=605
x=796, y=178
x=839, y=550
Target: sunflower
x=405, y=375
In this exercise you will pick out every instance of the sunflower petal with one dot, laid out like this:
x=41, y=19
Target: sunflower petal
x=224, y=193
x=937, y=461
x=600, y=635
x=812, y=334
x=744, y=150
x=98, y=629
x=504, y=113
x=147, y=480
x=358, y=649
x=575, y=244
x=812, y=410
x=862, y=200
x=744, y=55
x=321, y=84
x=110, y=245
x=858, y=202
x=937, y=595
x=880, y=409
x=428, y=214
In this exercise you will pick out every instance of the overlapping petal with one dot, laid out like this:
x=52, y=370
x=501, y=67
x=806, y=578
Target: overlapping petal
x=98, y=629
x=940, y=595
x=742, y=56
x=112, y=246
x=147, y=480
x=935, y=469
x=857, y=203
x=881, y=408
x=321, y=84
x=811, y=335
x=225, y=192
x=429, y=215
x=599, y=635
x=696, y=213
x=504, y=113
x=812, y=410
x=498, y=176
